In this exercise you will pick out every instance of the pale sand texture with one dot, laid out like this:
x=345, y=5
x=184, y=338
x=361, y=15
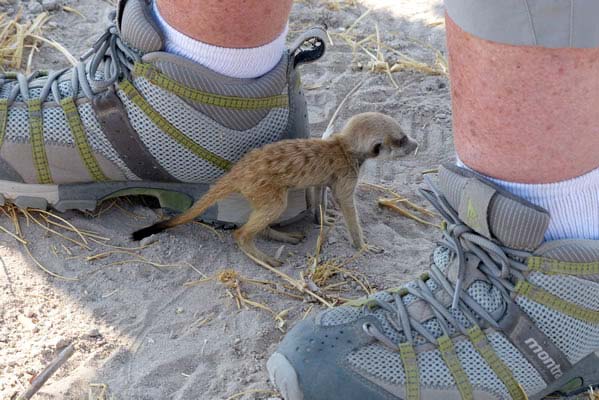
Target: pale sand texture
x=160, y=340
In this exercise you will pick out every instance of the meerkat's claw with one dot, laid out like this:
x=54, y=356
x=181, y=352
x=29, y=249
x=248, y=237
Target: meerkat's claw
x=273, y=262
x=370, y=248
x=297, y=235
x=329, y=220
x=285, y=237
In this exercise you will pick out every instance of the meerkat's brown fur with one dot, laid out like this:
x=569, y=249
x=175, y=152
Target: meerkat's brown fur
x=264, y=176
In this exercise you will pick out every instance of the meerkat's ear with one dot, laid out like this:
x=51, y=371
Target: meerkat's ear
x=376, y=149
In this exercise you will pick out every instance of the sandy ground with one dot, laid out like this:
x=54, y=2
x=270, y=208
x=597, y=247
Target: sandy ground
x=141, y=332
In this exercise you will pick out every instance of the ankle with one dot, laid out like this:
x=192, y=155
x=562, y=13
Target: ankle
x=232, y=62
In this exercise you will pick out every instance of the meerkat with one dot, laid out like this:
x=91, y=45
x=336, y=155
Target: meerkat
x=264, y=176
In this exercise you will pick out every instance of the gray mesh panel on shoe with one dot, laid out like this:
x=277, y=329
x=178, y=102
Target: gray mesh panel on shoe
x=486, y=295
x=523, y=371
x=174, y=158
x=339, y=316
x=227, y=143
x=380, y=362
x=441, y=257
x=65, y=89
x=56, y=128
x=34, y=92
x=570, y=288
x=6, y=89
x=479, y=373
x=17, y=124
x=98, y=141
x=575, y=338
x=434, y=371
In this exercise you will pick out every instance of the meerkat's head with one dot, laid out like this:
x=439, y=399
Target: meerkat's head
x=376, y=135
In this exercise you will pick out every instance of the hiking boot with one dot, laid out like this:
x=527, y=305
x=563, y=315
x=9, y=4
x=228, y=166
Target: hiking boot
x=500, y=315
x=133, y=120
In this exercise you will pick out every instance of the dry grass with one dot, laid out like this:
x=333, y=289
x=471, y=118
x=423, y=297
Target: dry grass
x=593, y=395
x=384, y=58
x=93, y=246
x=404, y=207
x=232, y=281
x=18, y=40
x=99, y=391
x=266, y=392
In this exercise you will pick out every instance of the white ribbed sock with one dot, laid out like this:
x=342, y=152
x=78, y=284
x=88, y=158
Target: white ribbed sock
x=236, y=63
x=573, y=204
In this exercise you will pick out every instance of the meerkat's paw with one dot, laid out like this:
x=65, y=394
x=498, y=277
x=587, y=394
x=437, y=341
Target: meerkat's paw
x=330, y=218
x=285, y=237
x=370, y=248
x=296, y=235
x=275, y=263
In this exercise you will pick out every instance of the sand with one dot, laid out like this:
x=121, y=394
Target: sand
x=139, y=332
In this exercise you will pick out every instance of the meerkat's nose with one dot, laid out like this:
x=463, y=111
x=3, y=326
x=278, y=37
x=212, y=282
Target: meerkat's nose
x=411, y=146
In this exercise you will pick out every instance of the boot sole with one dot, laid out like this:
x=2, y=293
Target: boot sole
x=574, y=384
x=177, y=197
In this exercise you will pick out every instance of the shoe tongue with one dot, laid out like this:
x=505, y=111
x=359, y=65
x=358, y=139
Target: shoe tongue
x=137, y=26
x=491, y=211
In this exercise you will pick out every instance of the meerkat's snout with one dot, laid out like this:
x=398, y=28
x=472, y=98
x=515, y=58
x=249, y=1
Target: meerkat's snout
x=405, y=146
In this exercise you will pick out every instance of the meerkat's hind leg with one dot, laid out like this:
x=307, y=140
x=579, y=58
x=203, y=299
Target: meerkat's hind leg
x=268, y=207
x=285, y=237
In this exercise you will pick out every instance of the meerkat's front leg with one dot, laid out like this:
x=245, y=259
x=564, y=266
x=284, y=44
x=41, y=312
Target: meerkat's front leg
x=344, y=194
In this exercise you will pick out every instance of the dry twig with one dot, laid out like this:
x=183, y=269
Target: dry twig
x=42, y=377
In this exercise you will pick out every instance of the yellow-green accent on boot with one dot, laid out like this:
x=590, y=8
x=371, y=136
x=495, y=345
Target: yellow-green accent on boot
x=169, y=129
x=40, y=158
x=87, y=156
x=453, y=363
x=410, y=364
x=556, y=303
x=484, y=348
x=238, y=103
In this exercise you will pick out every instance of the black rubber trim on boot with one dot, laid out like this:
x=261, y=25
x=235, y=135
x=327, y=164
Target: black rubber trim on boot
x=309, y=46
x=584, y=375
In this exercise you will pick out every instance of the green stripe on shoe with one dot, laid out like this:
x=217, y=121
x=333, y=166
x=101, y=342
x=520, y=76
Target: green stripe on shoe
x=555, y=267
x=36, y=131
x=556, y=303
x=85, y=151
x=3, y=118
x=455, y=367
x=169, y=129
x=410, y=365
x=237, y=103
x=484, y=348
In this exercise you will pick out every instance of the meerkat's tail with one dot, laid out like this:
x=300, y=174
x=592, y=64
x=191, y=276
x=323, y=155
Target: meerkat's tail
x=218, y=191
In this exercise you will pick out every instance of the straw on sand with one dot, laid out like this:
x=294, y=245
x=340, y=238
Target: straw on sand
x=380, y=62
x=16, y=38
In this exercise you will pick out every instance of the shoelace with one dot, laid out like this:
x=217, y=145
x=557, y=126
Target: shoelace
x=499, y=264
x=108, y=54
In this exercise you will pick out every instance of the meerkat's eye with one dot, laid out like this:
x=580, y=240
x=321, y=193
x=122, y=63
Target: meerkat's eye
x=403, y=141
x=377, y=149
